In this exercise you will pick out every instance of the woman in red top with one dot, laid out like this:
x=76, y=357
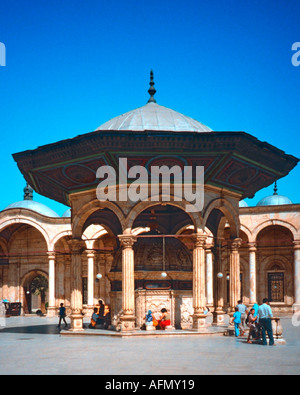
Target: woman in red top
x=165, y=319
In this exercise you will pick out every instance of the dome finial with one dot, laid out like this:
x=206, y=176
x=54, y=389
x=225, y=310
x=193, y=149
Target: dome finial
x=275, y=189
x=152, y=90
x=28, y=192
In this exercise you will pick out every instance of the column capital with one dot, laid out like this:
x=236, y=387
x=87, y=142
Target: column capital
x=235, y=244
x=77, y=246
x=199, y=240
x=127, y=241
x=51, y=255
x=252, y=246
x=90, y=253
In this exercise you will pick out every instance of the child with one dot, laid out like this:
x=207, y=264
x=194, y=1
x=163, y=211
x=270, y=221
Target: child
x=252, y=325
x=62, y=315
x=237, y=319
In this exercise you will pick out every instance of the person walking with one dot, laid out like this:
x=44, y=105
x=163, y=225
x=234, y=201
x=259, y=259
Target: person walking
x=265, y=314
x=237, y=322
x=62, y=315
x=244, y=312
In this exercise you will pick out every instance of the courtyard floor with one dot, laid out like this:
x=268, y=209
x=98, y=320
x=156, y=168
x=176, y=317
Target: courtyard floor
x=34, y=346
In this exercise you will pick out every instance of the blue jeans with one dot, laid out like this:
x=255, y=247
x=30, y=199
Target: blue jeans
x=236, y=329
x=266, y=325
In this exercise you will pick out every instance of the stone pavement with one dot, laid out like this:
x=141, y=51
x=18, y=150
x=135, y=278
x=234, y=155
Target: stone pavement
x=33, y=346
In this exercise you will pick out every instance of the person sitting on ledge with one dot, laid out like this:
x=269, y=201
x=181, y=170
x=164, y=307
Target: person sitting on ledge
x=94, y=319
x=107, y=317
x=165, y=319
x=100, y=313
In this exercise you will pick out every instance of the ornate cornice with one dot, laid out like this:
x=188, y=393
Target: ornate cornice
x=235, y=161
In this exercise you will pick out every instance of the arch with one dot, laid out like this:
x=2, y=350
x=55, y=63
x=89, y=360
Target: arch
x=31, y=274
x=268, y=261
x=88, y=209
x=90, y=238
x=4, y=245
x=228, y=210
x=274, y=222
x=26, y=221
x=140, y=230
x=247, y=232
x=57, y=237
x=140, y=207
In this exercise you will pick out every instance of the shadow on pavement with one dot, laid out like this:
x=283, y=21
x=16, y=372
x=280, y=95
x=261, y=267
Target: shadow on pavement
x=34, y=329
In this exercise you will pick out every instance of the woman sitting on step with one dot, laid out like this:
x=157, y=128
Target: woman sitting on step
x=165, y=319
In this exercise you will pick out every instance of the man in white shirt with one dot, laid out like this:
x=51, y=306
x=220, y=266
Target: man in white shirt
x=265, y=314
x=244, y=312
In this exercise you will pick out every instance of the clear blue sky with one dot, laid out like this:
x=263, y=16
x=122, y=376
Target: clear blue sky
x=72, y=65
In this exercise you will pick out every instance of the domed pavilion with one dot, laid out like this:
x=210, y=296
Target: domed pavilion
x=163, y=245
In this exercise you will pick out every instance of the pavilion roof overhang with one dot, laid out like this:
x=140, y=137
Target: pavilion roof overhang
x=233, y=161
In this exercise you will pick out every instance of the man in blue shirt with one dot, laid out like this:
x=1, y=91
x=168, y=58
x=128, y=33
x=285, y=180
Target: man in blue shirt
x=265, y=314
x=237, y=321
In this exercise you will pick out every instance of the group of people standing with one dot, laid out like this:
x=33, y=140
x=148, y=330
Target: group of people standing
x=258, y=318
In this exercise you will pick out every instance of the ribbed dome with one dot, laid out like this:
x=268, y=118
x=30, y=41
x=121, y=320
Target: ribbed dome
x=242, y=203
x=67, y=214
x=274, y=200
x=34, y=206
x=152, y=116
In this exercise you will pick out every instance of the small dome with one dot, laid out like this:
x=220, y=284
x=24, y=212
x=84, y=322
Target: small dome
x=243, y=204
x=152, y=116
x=67, y=214
x=34, y=206
x=274, y=200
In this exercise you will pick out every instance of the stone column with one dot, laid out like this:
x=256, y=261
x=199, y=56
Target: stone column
x=52, y=301
x=235, y=274
x=296, y=306
x=209, y=276
x=252, y=270
x=77, y=246
x=199, y=285
x=91, y=279
x=128, y=298
x=219, y=313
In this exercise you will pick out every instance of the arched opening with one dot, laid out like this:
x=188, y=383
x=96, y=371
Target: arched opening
x=26, y=252
x=62, y=272
x=163, y=265
x=35, y=287
x=275, y=257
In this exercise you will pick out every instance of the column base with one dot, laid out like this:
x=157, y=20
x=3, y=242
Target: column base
x=51, y=312
x=219, y=318
x=127, y=323
x=199, y=323
x=76, y=322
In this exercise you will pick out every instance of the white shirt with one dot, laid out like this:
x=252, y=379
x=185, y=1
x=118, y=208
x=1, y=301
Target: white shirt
x=264, y=311
x=242, y=308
